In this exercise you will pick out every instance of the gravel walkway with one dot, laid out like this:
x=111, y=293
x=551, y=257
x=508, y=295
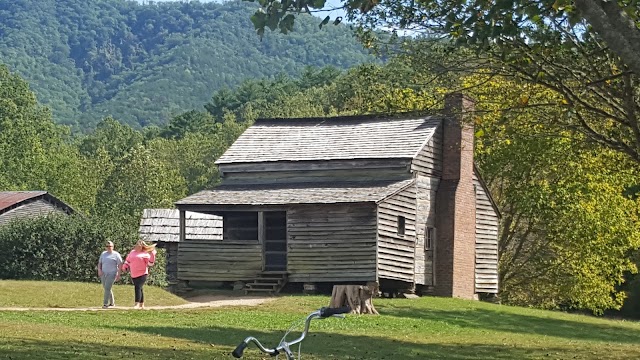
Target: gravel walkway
x=202, y=301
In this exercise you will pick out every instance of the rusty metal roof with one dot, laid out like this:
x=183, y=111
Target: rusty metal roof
x=12, y=199
x=305, y=193
x=337, y=138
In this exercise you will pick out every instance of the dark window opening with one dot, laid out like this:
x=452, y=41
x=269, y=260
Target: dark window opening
x=275, y=225
x=240, y=226
x=431, y=238
x=401, y=225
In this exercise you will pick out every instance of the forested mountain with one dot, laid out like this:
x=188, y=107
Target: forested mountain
x=143, y=64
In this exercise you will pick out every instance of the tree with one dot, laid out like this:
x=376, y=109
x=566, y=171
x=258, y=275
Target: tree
x=481, y=21
x=111, y=136
x=189, y=122
x=26, y=135
x=138, y=181
x=143, y=64
x=35, y=153
x=568, y=228
x=586, y=51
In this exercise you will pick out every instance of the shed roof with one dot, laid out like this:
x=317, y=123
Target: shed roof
x=164, y=225
x=304, y=193
x=348, y=137
x=12, y=199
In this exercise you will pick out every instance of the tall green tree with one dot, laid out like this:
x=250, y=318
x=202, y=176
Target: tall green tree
x=138, y=181
x=568, y=227
x=35, y=153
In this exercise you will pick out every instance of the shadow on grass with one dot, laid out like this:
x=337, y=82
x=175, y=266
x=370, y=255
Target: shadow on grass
x=219, y=342
x=51, y=350
x=524, y=324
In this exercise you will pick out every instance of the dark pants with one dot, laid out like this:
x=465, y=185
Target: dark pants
x=138, y=283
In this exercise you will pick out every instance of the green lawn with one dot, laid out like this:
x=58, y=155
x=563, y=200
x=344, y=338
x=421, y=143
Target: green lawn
x=39, y=294
x=425, y=328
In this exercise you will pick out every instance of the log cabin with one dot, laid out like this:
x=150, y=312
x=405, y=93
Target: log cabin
x=395, y=200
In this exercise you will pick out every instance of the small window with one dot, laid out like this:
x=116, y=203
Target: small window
x=431, y=238
x=401, y=225
x=240, y=226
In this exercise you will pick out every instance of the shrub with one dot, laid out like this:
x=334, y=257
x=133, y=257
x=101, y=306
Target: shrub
x=63, y=248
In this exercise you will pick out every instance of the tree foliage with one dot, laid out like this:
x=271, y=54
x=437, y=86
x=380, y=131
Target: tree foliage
x=588, y=52
x=568, y=227
x=144, y=64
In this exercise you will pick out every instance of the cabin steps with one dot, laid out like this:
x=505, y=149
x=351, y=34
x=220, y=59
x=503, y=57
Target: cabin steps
x=267, y=282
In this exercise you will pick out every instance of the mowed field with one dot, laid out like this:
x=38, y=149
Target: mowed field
x=425, y=328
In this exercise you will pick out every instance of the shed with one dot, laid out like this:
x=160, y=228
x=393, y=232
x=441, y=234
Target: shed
x=395, y=200
x=29, y=204
x=162, y=227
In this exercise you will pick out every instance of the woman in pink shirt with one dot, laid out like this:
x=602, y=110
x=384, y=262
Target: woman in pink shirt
x=138, y=261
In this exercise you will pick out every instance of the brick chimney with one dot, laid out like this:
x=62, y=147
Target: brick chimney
x=456, y=203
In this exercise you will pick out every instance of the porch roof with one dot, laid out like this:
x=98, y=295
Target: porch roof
x=301, y=193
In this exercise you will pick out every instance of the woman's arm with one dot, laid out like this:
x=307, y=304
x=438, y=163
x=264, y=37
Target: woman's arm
x=100, y=266
x=125, y=265
x=152, y=257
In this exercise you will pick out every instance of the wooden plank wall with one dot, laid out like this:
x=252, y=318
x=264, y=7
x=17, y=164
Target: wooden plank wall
x=427, y=166
x=331, y=243
x=30, y=210
x=396, y=252
x=204, y=260
x=486, y=271
x=171, y=252
x=247, y=175
x=426, y=217
x=429, y=159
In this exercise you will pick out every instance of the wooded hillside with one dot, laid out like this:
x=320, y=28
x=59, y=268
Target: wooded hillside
x=144, y=64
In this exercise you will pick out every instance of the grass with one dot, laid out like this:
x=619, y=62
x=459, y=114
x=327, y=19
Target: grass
x=425, y=328
x=53, y=294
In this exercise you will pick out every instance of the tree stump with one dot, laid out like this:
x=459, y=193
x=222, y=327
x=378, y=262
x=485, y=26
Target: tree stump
x=358, y=297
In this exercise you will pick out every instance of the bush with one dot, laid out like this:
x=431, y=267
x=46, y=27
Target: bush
x=63, y=248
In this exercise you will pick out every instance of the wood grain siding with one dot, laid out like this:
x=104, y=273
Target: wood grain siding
x=202, y=260
x=426, y=188
x=332, y=243
x=486, y=268
x=172, y=261
x=31, y=209
x=315, y=165
x=297, y=177
x=428, y=161
x=396, y=252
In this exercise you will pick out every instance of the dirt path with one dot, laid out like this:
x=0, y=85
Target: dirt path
x=202, y=301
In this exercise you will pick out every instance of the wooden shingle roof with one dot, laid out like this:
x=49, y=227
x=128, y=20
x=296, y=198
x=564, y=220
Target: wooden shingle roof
x=306, y=193
x=164, y=225
x=362, y=137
